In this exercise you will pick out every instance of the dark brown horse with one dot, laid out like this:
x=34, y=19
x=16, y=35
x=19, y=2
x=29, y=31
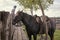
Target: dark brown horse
x=3, y=19
x=32, y=25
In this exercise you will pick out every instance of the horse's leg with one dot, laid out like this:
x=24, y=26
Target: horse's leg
x=29, y=36
x=51, y=35
x=35, y=37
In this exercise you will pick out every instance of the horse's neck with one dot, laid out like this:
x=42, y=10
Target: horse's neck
x=26, y=19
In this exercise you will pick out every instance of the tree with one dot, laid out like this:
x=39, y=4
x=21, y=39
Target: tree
x=42, y=4
x=28, y=4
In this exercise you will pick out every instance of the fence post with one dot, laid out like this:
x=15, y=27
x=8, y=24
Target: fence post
x=11, y=26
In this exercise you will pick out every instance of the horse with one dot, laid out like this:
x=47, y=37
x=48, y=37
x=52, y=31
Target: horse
x=32, y=25
x=3, y=20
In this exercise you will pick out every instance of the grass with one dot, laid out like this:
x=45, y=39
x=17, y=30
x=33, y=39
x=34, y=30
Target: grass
x=57, y=35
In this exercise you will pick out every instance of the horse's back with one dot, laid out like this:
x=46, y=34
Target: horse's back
x=31, y=24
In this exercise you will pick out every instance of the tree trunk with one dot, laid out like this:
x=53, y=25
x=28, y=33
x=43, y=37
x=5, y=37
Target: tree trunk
x=11, y=30
x=3, y=33
x=0, y=16
x=10, y=25
x=44, y=19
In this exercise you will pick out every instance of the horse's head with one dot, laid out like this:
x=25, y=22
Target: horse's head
x=18, y=17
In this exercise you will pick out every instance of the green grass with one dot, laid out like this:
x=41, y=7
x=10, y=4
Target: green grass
x=57, y=35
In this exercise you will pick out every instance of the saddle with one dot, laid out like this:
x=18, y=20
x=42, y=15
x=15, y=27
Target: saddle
x=37, y=18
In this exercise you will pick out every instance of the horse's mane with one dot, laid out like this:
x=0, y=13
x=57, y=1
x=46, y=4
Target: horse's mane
x=25, y=14
x=28, y=14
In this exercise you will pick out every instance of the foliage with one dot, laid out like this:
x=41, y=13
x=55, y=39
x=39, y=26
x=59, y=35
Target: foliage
x=35, y=3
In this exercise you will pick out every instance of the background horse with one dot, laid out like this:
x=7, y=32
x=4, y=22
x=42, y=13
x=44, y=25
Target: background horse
x=32, y=26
